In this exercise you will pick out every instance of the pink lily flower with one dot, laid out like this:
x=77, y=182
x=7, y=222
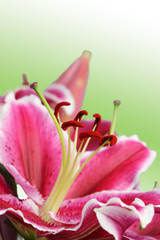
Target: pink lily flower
x=70, y=191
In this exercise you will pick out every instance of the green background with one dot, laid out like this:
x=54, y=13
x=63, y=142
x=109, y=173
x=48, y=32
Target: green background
x=42, y=38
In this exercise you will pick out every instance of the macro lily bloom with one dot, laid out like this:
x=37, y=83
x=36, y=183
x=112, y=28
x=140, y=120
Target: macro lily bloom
x=72, y=192
x=76, y=175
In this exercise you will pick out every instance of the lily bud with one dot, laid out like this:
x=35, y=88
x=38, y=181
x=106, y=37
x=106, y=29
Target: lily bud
x=70, y=86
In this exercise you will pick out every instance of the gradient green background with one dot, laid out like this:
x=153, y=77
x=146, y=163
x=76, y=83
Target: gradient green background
x=42, y=38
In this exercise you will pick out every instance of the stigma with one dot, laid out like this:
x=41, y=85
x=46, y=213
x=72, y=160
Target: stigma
x=71, y=157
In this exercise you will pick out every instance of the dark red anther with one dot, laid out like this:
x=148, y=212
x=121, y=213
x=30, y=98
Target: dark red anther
x=110, y=140
x=71, y=123
x=97, y=121
x=80, y=115
x=58, y=106
x=88, y=134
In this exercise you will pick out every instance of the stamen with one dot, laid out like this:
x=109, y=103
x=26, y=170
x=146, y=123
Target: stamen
x=71, y=123
x=85, y=162
x=80, y=115
x=114, y=119
x=71, y=160
x=109, y=139
x=88, y=134
x=57, y=108
x=97, y=121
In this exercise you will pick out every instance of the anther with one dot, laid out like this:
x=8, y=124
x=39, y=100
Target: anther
x=58, y=106
x=109, y=139
x=71, y=123
x=33, y=85
x=117, y=102
x=88, y=134
x=80, y=115
x=97, y=121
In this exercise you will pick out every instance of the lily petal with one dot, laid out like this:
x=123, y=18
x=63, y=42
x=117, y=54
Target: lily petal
x=76, y=218
x=70, y=211
x=30, y=148
x=73, y=207
x=70, y=86
x=115, y=216
x=152, y=231
x=6, y=232
x=117, y=167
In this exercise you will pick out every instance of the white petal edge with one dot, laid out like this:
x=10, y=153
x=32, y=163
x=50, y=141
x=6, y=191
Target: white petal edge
x=67, y=93
x=109, y=228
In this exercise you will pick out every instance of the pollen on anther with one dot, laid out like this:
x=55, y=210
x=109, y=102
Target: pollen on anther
x=71, y=123
x=109, y=139
x=97, y=121
x=80, y=115
x=88, y=134
x=58, y=106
